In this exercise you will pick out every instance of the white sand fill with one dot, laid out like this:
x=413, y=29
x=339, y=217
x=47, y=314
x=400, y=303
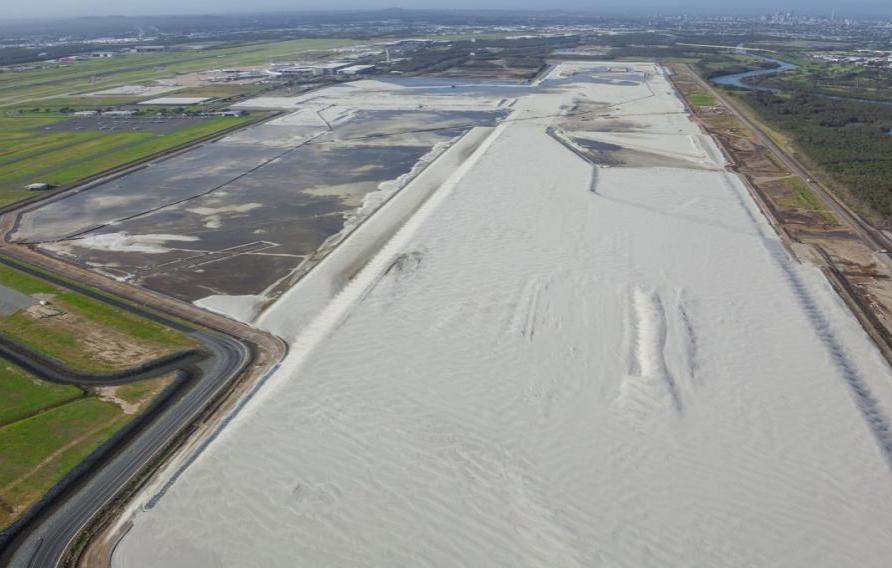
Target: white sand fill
x=533, y=374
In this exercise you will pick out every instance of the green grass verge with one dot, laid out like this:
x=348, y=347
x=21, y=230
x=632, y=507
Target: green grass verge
x=803, y=198
x=46, y=429
x=701, y=99
x=22, y=394
x=19, y=123
x=25, y=283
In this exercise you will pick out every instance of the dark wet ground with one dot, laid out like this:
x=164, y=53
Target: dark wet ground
x=253, y=210
x=601, y=153
x=163, y=183
x=596, y=146
x=607, y=154
x=618, y=82
x=371, y=124
x=510, y=89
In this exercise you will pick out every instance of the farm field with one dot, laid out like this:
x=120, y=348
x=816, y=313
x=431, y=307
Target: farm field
x=36, y=148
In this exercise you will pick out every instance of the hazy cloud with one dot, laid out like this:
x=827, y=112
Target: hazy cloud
x=65, y=8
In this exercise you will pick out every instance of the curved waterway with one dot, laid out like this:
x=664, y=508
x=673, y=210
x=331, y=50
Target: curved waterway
x=739, y=80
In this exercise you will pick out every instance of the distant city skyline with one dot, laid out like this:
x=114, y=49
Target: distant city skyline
x=66, y=8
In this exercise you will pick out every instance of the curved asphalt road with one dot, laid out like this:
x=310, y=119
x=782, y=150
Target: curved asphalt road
x=51, y=371
x=43, y=542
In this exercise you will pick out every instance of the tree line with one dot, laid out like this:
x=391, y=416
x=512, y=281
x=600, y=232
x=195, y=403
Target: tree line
x=850, y=140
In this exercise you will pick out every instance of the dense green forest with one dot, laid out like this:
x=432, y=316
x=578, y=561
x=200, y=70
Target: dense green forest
x=848, y=139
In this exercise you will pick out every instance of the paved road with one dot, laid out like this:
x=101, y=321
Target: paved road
x=874, y=238
x=52, y=371
x=44, y=541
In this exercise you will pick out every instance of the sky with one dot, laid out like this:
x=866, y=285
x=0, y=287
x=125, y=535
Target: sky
x=66, y=8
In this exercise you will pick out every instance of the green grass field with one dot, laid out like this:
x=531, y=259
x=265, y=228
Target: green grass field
x=57, y=427
x=221, y=90
x=30, y=155
x=701, y=99
x=24, y=395
x=35, y=453
x=86, y=334
x=27, y=442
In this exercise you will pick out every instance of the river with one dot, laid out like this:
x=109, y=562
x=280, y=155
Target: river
x=738, y=80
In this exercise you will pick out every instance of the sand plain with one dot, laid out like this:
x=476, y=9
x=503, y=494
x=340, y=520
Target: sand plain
x=533, y=373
